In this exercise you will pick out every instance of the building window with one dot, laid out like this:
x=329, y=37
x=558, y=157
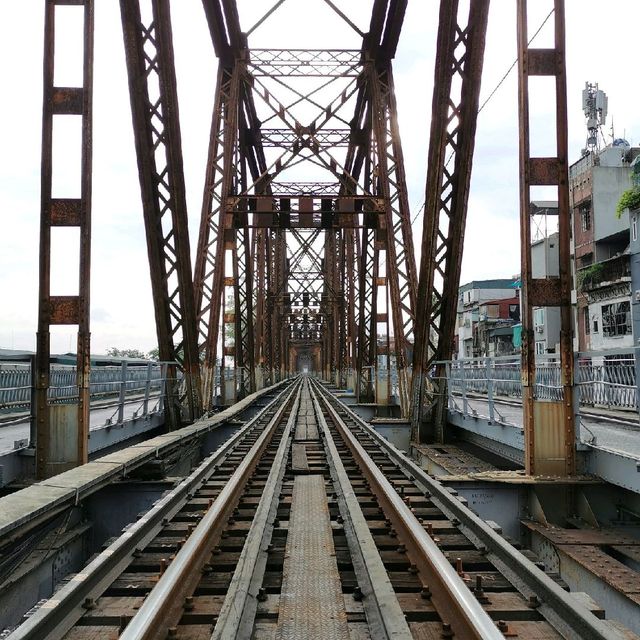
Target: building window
x=595, y=325
x=585, y=218
x=587, y=323
x=616, y=319
x=540, y=347
x=634, y=228
x=538, y=317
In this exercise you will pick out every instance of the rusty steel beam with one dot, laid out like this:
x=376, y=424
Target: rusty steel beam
x=259, y=255
x=224, y=227
x=280, y=337
x=244, y=330
x=366, y=360
x=459, y=57
x=154, y=106
x=347, y=322
x=387, y=17
x=241, y=194
x=209, y=275
x=549, y=427
x=390, y=180
x=331, y=305
x=62, y=431
x=236, y=160
x=374, y=161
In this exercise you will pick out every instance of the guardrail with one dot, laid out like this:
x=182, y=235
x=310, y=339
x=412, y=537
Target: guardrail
x=602, y=379
x=110, y=386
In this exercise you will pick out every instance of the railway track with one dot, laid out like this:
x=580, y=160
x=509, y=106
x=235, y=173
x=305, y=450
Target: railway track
x=307, y=524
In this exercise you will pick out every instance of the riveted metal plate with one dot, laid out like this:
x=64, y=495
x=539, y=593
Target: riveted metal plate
x=558, y=535
x=311, y=602
x=607, y=568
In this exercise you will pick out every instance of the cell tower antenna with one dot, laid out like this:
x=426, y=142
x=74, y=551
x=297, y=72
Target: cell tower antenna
x=594, y=105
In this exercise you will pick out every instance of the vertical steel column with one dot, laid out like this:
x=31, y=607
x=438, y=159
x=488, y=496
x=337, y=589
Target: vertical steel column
x=260, y=274
x=549, y=427
x=331, y=304
x=390, y=184
x=270, y=306
x=62, y=431
x=156, y=126
x=208, y=276
x=459, y=56
x=368, y=290
x=350, y=331
x=243, y=293
x=347, y=307
x=223, y=228
x=368, y=270
x=278, y=289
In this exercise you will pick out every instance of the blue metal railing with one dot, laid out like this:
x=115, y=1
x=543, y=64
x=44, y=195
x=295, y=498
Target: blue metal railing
x=602, y=379
x=128, y=383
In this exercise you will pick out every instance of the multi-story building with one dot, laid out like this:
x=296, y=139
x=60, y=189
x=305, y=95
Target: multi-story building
x=493, y=334
x=634, y=255
x=634, y=258
x=545, y=263
x=470, y=297
x=601, y=248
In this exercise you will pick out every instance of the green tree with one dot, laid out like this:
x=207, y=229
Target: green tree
x=114, y=352
x=630, y=199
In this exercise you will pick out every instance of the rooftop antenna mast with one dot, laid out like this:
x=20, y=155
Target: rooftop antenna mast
x=594, y=104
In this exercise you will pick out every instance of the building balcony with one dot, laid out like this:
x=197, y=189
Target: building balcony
x=605, y=273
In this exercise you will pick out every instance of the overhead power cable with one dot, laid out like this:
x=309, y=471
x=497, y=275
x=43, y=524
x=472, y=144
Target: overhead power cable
x=490, y=96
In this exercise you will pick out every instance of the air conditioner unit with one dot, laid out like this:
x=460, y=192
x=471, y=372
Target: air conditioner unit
x=539, y=328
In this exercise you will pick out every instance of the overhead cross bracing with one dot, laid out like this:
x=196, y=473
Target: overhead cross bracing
x=305, y=174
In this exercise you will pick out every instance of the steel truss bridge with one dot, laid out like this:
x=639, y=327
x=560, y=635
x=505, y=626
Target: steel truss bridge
x=305, y=253
x=268, y=508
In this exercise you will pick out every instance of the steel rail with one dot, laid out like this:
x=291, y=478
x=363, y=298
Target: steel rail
x=63, y=610
x=14, y=529
x=382, y=609
x=163, y=606
x=236, y=617
x=451, y=597
x=565, y=613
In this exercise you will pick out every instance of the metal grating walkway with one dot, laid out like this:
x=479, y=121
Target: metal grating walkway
x=311, y=601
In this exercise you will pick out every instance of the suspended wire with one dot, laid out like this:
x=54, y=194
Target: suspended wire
x=490, y=96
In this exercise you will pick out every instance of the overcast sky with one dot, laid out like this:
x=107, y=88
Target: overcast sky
x=601, y=45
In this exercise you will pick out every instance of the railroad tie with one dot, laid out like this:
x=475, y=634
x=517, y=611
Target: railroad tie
x=311, y=601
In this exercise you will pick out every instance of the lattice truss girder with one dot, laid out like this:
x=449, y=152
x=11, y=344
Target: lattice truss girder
x=294, y=126
x=224, y=267
x=458, y=71
x=293, y=142
x=154, y=104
